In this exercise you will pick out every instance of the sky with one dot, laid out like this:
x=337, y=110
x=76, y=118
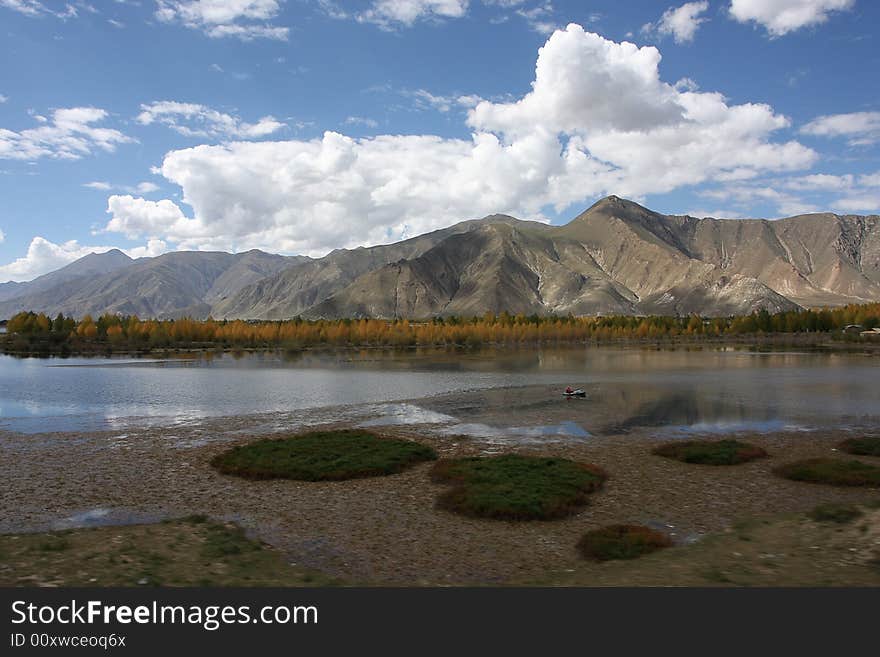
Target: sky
x=301, y=126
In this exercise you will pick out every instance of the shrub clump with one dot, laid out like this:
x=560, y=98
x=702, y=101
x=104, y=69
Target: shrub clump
x=867, y=446
x=711, y=452
x=515, y=487
x=621, y=542
x=835, y=472
x=322, y=456
x=839, y=513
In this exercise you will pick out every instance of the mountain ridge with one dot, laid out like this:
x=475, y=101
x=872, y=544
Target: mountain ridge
x=616, y=257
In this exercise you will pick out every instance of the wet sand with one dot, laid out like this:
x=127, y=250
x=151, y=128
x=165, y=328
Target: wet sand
x=387, y=529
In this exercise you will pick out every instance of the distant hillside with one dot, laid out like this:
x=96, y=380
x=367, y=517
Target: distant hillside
x=617, y=257
x=92, y=265
x=172, y=285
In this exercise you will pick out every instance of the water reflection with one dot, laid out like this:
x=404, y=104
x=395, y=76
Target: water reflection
x=628, y=389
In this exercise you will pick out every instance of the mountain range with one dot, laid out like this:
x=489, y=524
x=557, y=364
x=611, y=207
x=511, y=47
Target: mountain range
x=617, y=257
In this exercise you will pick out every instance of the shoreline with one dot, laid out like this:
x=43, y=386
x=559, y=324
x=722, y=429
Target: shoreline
x=832, y=342
x=387, y=530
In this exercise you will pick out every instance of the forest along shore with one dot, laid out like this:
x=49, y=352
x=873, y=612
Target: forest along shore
x=33, y=333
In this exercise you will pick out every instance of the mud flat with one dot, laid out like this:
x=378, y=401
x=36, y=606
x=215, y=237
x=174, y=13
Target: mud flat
x=388, y=530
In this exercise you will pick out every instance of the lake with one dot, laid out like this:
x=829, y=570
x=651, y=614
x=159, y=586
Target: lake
x=701, y=390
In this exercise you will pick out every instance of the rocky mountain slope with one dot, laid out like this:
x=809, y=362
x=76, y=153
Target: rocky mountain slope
x=171, y=285
x=616, y=257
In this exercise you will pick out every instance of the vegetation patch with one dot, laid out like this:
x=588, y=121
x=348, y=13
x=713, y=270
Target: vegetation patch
x=835, y=472
x=867, y=446
x=711, y=452
x=621, y=542
x=195, y=551
x=838, y=513
x=322, y=456
x=515, y=487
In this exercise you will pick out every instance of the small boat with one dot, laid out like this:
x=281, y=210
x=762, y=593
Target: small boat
x=574, y=393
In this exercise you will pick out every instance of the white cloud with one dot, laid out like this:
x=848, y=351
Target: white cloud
x=859, y=203
x=820, y=182
x=44, y=256
x=861, y=128
x=69, y=135
x=244, y=19
x=26, y=7
x=134, y=217
x=140, y=188
x=539, y=18
x=681, y=23
x=424, y=99
x=391, y=14
x=100, y=185
x=146, y=188
x=3, y=98
x=807, y=193
x=361, y=120
x=36, y=8
x=2, y=237
x=598, y=120
x=870, y=180
x=387, y=13
x=780, y=17
x=194, y=120
x=686, y=84
x=787, y=204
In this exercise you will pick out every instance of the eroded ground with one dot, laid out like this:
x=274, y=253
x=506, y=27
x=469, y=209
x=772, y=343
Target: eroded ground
x=387, y=529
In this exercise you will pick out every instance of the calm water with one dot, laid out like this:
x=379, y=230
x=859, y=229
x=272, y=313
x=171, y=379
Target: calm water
x=682, y=390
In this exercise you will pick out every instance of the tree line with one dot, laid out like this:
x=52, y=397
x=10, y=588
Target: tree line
x=28, y=331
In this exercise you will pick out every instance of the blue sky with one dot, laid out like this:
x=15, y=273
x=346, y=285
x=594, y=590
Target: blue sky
x=300, y=126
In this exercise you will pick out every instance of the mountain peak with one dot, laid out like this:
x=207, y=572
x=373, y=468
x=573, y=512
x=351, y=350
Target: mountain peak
x=616, y=204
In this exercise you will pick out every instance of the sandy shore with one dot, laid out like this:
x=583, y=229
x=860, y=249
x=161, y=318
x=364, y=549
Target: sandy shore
x=387, y=529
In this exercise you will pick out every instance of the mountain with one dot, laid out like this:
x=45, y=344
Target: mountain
x=94, y=264
x=617, y=257
x=292, y=292
x=179, y=284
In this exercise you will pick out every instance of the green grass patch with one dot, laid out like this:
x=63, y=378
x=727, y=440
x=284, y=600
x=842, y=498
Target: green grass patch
x=835, y=472
x=322, y=456
x=182, y=552
x=834, y=512
x=710, y=452
x=621, y=542
x=514, y=487
x=867, y=446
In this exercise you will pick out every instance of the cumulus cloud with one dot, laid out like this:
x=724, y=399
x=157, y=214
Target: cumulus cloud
x=779, y=17
x=2, y=237
x=681, y=23
x=860, y=128
x=194, y=120
x=3, y=98
x=68, y=135
x=597, y=120
x=243, y=19
x=44, y=256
